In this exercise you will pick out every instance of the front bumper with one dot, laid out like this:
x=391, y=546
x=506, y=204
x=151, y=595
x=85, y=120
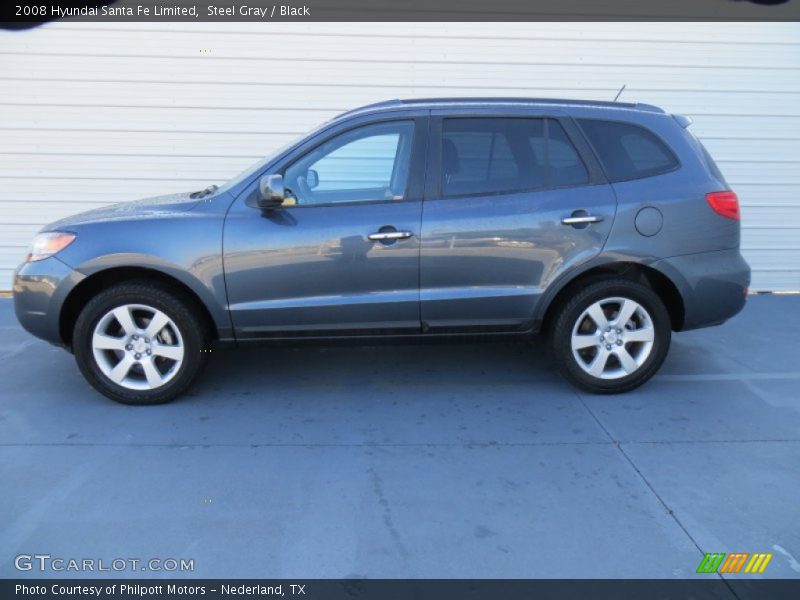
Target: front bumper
x=713, y=285
x=40, y=289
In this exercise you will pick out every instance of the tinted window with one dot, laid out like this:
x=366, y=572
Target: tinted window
x=566, y=166
x=628, y=151
x=485, y=156
x=368, y=163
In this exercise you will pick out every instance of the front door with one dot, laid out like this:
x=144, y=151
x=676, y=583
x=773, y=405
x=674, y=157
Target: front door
x=496, y=222
x=341, y=256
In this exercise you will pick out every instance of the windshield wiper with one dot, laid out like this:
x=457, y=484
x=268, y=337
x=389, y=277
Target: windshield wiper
x=203, y=193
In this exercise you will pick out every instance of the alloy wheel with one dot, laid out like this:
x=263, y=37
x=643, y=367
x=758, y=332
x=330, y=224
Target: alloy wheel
x=613, y=338
x=137, y=347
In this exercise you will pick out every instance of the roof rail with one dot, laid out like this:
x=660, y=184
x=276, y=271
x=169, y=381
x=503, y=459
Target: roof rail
x=511, y=100
x=421, y=102
x=383, y=104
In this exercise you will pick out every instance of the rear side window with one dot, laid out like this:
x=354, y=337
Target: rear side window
x=495, y=155
x=566, y=166
x=628, y=151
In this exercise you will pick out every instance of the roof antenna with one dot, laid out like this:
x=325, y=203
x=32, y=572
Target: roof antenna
x=619, y=93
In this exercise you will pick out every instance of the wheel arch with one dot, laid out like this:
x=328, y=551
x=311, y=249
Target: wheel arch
x=96, y=282
x=660, y=283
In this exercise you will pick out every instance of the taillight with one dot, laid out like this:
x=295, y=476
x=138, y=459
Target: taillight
x=725, y=204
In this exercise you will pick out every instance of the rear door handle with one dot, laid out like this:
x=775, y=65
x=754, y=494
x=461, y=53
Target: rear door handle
x=382, y=236
x=583, y=220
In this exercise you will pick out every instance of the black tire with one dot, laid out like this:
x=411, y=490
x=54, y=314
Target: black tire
x=566, y=318
x=176, y=306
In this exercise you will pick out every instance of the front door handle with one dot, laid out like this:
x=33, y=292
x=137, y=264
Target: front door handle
x=383, y=236
x=582, y=220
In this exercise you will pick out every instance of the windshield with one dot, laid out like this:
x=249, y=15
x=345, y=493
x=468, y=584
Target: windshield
x=249, y=171
x=259, y=164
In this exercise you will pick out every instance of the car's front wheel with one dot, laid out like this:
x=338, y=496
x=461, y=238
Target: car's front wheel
x=611, y=336
x=139, y=343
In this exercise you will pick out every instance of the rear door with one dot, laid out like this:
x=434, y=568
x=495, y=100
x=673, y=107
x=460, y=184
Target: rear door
x=511, y=202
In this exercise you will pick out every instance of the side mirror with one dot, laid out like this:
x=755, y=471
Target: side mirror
x=312, y=179
x=272, y=192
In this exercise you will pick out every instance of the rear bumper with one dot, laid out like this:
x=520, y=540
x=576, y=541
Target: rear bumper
x=40, y=289
x=713, y=285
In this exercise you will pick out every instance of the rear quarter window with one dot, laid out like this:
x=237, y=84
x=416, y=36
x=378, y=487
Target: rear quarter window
x=628, y=151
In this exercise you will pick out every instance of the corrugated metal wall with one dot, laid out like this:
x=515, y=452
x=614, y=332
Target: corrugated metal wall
x=98, y=113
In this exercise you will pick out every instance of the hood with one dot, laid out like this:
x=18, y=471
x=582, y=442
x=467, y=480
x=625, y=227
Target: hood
x=157, y=207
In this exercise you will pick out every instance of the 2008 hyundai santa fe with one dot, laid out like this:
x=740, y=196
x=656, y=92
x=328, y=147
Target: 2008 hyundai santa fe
x=604, y=225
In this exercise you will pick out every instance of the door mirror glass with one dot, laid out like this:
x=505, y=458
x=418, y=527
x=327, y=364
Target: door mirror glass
x=271, y=192
x=312, y=179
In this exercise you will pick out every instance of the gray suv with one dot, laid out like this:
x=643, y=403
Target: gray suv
x=605, y=226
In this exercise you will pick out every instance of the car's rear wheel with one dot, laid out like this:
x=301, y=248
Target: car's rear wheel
x=139, y=343
x=611, y=336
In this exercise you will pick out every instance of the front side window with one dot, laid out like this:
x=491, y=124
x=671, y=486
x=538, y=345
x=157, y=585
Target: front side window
x=628, y=151
x=507, y=155
x=361, y=165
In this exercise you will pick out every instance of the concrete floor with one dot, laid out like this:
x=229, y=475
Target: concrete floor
x=413, y=461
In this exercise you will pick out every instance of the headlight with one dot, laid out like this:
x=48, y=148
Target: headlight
x=48, y=244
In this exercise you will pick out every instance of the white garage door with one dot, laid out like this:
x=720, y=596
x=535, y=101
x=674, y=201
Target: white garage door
x=98, y=113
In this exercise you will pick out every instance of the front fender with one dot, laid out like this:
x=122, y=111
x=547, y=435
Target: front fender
x=204, y=278
x=186, y=247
